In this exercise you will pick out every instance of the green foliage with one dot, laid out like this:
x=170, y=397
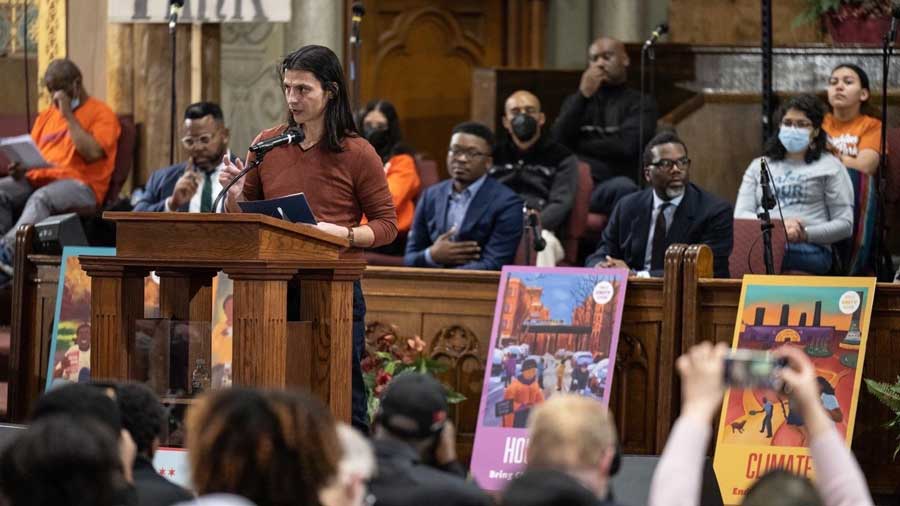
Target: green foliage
x=889, y=395
x=816, y=9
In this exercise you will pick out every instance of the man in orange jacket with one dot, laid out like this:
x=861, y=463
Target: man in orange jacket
x=78, y=135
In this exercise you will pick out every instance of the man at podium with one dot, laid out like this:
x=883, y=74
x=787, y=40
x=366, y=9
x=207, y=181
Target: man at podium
x=339, y=172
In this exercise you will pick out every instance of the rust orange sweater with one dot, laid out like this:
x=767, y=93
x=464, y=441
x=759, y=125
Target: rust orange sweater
x=340, y=187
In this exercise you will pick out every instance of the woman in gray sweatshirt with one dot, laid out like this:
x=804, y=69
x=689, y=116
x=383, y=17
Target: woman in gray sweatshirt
x=811, y=185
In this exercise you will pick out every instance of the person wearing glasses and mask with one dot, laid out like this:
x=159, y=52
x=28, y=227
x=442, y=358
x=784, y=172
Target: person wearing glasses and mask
x=470, y=221
x=192, y=185
x=78, y=136
x=672, y=210
x=812, y=187
x=542, y=171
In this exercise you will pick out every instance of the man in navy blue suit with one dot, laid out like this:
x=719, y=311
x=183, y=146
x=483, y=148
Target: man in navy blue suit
x=672, y=210
x=469, y=221
x=191, y=186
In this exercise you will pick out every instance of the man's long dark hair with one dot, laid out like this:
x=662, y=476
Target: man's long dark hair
x=395, y=145
x=814, y=110
x=324, y=64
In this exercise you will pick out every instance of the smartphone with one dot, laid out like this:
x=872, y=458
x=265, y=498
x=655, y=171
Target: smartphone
x=746, y=368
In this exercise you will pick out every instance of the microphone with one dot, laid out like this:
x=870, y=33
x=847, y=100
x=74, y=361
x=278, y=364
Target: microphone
x=768, y=200
x=290, y=136
x=357, y=12
x=895, y=14
x=175, y=7
x=660, y=30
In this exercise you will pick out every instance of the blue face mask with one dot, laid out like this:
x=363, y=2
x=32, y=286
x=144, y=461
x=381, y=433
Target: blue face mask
x=794, y=139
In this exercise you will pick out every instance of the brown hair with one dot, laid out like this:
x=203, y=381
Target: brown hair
x=274, y=448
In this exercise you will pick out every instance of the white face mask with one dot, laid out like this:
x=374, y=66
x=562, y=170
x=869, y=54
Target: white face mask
x=75, y=103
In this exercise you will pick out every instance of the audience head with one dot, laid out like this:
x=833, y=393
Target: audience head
x=63, y=460
x=666, y=165
x=574, y=434
x=522, y=118
x=204, y=136
x=80, y=400
x=848, y=90
x=274, y=448
x=142, y=416
x=608, y=55
x=782, y=488
x=381, y=127
x=413, y=408
x=469, y=156
x=64, y=75
x=356, y=468
x=313, y=85
x=547, y=487
x=800, y=130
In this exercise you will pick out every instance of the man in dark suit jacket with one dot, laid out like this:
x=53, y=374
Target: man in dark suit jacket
x=191, y=186
x=142, y=417
x=470, y=221
x=682, y=210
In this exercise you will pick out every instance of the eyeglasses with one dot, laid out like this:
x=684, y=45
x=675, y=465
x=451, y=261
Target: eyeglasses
x=667, y=164
x=203, y=140
x=801, y=123
x=469, y=153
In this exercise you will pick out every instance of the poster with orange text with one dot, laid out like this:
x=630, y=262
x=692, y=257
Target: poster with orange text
x=827, y=318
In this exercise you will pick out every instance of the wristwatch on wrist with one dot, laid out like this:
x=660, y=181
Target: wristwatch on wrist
x=350, y=236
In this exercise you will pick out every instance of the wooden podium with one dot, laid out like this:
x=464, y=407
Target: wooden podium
x=261, y=255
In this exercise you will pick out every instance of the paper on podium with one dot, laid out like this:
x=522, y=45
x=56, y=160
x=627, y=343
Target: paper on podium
x=293, y=208
x=22, y=149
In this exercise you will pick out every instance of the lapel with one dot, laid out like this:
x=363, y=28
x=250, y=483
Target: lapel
x=441, y=193
x=640, y=226
x=684, y=216
x=479, y=204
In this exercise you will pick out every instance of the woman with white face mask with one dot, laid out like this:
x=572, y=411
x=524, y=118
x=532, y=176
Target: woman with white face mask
x=811, y=185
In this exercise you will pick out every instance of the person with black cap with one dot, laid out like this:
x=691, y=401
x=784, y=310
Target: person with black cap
x=524, y=392
x=415, y=446
x=542, y=171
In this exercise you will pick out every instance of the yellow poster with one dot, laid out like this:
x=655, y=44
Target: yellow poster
x=828, y=318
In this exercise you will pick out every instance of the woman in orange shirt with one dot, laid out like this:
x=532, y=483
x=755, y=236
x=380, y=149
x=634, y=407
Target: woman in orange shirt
x=381, y=127
x=855, y=137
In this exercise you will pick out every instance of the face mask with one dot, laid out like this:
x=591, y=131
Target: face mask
x=377, y=137
x=524, y=127
x=75, y=103
x=794, y=139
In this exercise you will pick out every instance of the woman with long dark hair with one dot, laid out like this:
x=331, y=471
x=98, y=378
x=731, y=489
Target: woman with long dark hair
x=812, y=187
x=381, y=127
x=339, y=172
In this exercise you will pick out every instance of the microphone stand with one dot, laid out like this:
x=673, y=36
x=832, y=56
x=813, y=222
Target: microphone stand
x=646, y=51
x=768, y=202
x=358, y=10
x=173, y=21
x=884, y=268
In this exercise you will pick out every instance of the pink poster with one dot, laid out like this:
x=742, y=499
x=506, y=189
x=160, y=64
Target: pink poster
x=555, y=331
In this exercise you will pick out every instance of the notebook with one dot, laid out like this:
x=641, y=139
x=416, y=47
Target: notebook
x=293, y=208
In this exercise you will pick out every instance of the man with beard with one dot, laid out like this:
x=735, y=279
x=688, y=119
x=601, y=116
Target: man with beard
x=469, y=221
x=543, y=172
x=672, y=210
x=191, y=186
x=525, y=393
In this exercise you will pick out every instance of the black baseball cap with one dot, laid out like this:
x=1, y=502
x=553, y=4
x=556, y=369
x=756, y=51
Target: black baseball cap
x=414, y=405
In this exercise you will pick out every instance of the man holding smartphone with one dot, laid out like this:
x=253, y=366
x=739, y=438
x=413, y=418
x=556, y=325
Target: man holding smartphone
x=78, y=135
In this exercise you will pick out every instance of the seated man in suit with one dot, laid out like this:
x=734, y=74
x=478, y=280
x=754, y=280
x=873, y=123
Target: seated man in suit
x=191, y=186
x=672, y=210
x=469, y=221
x=78, y=134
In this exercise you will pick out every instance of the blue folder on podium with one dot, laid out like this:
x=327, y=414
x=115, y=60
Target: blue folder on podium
x=293, y=208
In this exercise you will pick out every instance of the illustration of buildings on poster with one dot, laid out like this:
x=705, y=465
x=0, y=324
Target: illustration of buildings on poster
x=555, y=331
x=827, y=318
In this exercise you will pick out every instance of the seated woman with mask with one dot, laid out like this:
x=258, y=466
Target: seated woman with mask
x=381, y=127
x=811, y=186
